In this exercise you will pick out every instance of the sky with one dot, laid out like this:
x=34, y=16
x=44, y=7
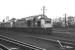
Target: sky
x=24, y=8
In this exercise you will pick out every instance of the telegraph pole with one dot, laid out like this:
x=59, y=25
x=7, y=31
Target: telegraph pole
x=44, y=10
x=7, y=18
x=65, y=21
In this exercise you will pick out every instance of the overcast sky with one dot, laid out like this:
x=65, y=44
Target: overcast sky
x=24, y=8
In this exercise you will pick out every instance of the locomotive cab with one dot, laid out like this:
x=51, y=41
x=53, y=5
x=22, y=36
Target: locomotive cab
x=46, y=23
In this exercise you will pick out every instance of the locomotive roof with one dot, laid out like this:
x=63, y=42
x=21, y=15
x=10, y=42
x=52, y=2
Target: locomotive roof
x=46, y=18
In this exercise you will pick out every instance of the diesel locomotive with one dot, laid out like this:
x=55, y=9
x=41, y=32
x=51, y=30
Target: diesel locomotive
x=31, y=24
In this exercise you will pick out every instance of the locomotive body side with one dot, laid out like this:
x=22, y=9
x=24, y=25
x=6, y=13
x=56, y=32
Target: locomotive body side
x=42, y=25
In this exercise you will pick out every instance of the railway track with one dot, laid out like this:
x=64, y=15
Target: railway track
x=28, y=48
x=10, y=44
x=33, y=48
x=59, y=43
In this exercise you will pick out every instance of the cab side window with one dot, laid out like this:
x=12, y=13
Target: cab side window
x=47, y=21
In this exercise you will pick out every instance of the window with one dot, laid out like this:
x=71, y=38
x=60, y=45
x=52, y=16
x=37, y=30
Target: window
x=47, y=21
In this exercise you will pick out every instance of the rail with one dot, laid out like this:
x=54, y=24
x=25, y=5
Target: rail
x=21, y=43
